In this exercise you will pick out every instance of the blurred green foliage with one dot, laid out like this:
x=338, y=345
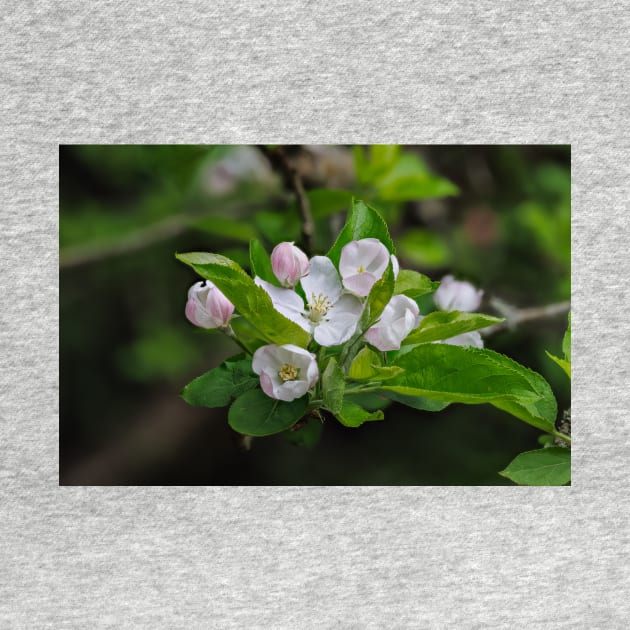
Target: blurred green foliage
x=496, y=215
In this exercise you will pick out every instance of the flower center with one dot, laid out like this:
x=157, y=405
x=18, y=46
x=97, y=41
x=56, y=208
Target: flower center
x=360, y=269
x=318, y=307
x=288, y=372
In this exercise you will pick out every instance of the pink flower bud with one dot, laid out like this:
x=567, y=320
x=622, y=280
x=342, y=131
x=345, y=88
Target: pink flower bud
x=289, y=263
x=207, y=307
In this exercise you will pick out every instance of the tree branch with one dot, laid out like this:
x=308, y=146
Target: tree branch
x=516, y=316
x=292, y=179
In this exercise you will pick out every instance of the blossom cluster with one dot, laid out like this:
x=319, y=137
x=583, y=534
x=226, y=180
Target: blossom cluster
x=328, y=304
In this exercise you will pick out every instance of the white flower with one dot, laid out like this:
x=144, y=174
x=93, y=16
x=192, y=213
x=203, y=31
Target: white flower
x=207, y=307
x=289, y=263
x=466, y=339
x=286, y=372
x=399, y=318
x=328, y=315
x=362, y=263
x=457, y=295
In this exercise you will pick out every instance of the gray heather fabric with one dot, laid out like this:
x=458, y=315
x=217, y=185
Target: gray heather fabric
x=430, y=72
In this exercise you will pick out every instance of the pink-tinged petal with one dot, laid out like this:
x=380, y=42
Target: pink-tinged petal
x=360, y=284
x=289, y=263
x=266, y=384
x=350, y=259
x=291, y=390
x=399, y=318
x=322, y=279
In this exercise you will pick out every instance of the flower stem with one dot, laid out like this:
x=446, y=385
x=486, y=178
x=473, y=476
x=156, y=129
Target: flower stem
x=230, y=333
x=562, y=436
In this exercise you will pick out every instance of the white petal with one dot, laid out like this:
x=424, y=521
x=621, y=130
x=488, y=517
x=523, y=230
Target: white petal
x=266, y=357
x=291, y=390
x=395, y=266
x=457, y=295
x=472, y=339
x=322, y=278
x=341, y=323
x=350, y=259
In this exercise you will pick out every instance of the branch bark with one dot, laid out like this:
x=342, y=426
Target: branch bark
x=293, y=181
x=516, y=316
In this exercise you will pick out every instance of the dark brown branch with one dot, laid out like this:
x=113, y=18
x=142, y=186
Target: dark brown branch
x=292, y=179
x=516, y=316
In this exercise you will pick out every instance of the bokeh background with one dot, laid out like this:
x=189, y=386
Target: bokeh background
x=498, y=216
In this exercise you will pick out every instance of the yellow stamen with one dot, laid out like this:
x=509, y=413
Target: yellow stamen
x=288, y=372
x=360, y=269
x=318, y=306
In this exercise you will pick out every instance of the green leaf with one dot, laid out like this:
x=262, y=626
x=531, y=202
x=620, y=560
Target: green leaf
x=473, y=376
x=565, y=365
x=444, y=325
x=219, y=386
x=249, y=299
x=543, y=467
x=363, y=222
x=380, y=294
x=366, y=366
x=333, y=386
x=413, y=284
x=306, y=436
x=566, y=342
x=261, y=262
x=247, y=334
x=424, y=248
x=415, y=402
x=351, y=415
x=422, y=186
x=255, y=413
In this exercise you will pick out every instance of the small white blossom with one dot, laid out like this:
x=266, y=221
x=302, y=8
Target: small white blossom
x=329, y=315
x=466, y=339
x=457, y=295
x=286, y=372
x=289, y=263
x=399, y=318
x=207, y=307
x=362, y=263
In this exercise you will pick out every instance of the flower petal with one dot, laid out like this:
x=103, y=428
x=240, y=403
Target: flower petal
x=360, y=284
x=322, y=278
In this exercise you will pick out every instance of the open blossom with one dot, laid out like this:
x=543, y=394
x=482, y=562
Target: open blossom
x=362, y=263
x=329, y=315
x=207, y=307
x=457, y=295
x=399, y=318
x=286, y=372
x=289, y=263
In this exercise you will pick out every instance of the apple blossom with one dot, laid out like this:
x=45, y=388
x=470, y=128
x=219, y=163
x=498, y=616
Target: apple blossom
x=466, y=339
x=399, y=318
x=457, y=295
x=289, y=263
x=207, y=307
x=286, y=372
x=362, y=263
x=329, y=315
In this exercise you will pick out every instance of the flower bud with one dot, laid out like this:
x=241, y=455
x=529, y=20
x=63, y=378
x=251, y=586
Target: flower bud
x=207, y=307
x=289, y=263
x=457, y=295
x=399, y=318
x=286, y=372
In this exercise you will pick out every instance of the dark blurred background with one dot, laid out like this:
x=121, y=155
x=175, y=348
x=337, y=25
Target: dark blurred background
x=498, y=216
